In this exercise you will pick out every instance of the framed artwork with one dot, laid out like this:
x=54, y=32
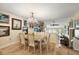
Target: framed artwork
x=4, y=31
x=16, y=24
x=4, y=18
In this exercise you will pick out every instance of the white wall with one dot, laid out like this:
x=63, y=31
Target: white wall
x=8, y=40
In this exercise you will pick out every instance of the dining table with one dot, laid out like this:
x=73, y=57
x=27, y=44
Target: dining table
x=39, y=37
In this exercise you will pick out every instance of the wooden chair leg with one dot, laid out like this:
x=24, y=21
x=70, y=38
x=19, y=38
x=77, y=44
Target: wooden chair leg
x=20, y=45
x=24, y=47
x=47, y=49
x=28, y=48
x=54, y=49
x=0, y=52
x=34, y=50
x=40, y=48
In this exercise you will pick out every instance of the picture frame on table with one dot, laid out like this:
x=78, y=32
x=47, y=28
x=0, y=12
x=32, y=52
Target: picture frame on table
x=4, y=31
x=4, y=18
x=16, y=24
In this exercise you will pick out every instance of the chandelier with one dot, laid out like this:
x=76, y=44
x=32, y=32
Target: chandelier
x=31, y=20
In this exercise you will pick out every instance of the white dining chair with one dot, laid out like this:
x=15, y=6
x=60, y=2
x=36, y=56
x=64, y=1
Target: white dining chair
x=45, y=38
x=22, y=40
x=53, y=42
x=37, y=37
x=31, y=42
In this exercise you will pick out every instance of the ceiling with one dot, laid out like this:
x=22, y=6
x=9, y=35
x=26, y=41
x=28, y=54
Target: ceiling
x=43, y=10
x=48, y=11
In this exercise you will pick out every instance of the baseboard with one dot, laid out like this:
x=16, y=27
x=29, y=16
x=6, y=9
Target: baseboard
x=4, y=46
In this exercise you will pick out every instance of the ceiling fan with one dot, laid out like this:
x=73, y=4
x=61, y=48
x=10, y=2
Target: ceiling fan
x=54, y=23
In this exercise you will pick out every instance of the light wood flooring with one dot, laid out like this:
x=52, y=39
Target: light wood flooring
x=15, y=50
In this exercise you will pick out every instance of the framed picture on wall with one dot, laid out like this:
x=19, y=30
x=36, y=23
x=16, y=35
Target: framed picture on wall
x=4, y=18
x=4, y=31
x=16, y=24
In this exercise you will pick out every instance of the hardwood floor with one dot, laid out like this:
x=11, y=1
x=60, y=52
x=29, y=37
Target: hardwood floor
x=15, y=50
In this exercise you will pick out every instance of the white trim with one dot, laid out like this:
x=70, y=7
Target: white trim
x=6, y=45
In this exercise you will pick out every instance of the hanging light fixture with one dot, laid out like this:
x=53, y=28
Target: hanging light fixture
x=31, y=20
